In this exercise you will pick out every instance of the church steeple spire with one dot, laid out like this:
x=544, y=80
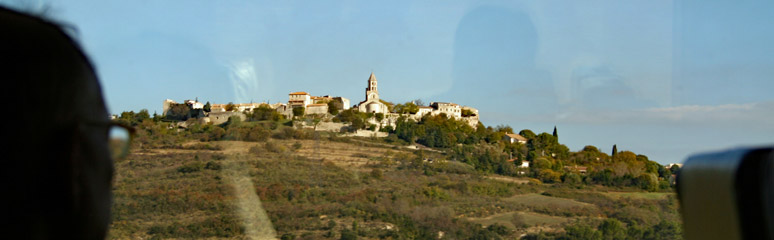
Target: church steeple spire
x=371, y=90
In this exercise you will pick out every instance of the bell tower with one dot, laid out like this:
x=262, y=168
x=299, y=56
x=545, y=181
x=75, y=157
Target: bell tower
x=371, y=92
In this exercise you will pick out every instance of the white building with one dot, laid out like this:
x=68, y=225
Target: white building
x=299, y=99
x=241, y=107
x=166, y=106
x=194, y=104
x=450, y=109
x=513, y=138
x=424, y=110
x=524, y=164
x=372, y=104
x=344, y=102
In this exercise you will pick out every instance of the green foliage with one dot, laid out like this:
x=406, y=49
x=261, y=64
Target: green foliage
x=528, y=134
x=190, y=168
x=648, y=181
x=298, y=111
x=178, y=112
x=264, y=112
x=230, y=107
x=581, y=231
x=213, y=166
x=356, y=118
x=674, y=169
x=288, y=236
x=612, y=229
x=208, y=107
x=297, y=146
x=406, y=108
x=549, y=176
x=467, y=113
x=572, y=179
x=334, y=108
x=347, y=234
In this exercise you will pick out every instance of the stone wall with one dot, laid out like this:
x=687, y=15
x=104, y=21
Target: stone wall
x=367, y=133
x=222, y=117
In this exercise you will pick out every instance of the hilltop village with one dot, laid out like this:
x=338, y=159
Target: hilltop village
x=382, y=113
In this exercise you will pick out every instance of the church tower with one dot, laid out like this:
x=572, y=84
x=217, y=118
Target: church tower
x=371, y=92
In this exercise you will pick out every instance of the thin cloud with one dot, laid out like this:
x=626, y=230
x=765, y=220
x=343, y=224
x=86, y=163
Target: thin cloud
x=748, y=113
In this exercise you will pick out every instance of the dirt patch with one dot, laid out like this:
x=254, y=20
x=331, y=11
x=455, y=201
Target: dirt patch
x=521, y=220
x=638, y=195
x=509, y=179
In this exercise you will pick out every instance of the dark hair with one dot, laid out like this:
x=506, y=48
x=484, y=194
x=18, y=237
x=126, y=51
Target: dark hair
x=49, y=87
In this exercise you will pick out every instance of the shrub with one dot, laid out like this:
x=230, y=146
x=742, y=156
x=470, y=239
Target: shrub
x=297, y=146
x=376, y=173
x=518, y=221
x=212, y=166
x=191, y=167
x=549, y=176
x=273, y=147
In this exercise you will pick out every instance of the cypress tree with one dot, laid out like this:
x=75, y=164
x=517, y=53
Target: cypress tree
x=615, y=150
x=207, y=107
x=556, y=135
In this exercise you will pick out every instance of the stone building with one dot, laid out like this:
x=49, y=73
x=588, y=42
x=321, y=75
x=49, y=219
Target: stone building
x=319, y=108
x=372, y=104
x=299, y=99
x=450, y=109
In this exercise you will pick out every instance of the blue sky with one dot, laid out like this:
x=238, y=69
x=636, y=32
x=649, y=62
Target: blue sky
x=660, y=78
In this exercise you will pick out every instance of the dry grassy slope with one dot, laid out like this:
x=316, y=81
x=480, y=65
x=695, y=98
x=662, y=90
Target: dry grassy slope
x=303, y=190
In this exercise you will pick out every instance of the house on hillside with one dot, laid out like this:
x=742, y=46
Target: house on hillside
x=299, y=99
x=513, y=138
x=320, y=108
x=578, y=169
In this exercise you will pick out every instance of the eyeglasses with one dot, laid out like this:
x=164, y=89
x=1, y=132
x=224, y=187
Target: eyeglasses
x=119, y=138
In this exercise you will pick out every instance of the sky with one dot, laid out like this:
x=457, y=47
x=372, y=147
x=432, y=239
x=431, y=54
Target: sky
x=661, y=78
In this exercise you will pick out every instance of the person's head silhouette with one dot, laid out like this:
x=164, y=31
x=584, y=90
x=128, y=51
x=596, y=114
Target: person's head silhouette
x=57, y=172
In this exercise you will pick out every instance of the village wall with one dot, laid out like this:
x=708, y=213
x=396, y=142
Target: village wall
x=222, y=117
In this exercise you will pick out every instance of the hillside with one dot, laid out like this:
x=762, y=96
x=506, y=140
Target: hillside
x=344, y=188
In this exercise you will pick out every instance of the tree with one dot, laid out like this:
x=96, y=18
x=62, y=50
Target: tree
x=664, y=230
x=504, y=129
x=555, y=134
x=615, y=150
x=405, y=108
x=612, y=229
x=263, y=112
x=230, y=107
x=549, y=176
x=572, y=179
x=467, y=113
x=178, y=112
x=333, y=107
x=347, y=234
x=674, y=169
x=582, y=231
x=648, y=181
x=541, y=163
x=207, y=107
x=298, y=111
x=142, y=116
x=526, y=133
